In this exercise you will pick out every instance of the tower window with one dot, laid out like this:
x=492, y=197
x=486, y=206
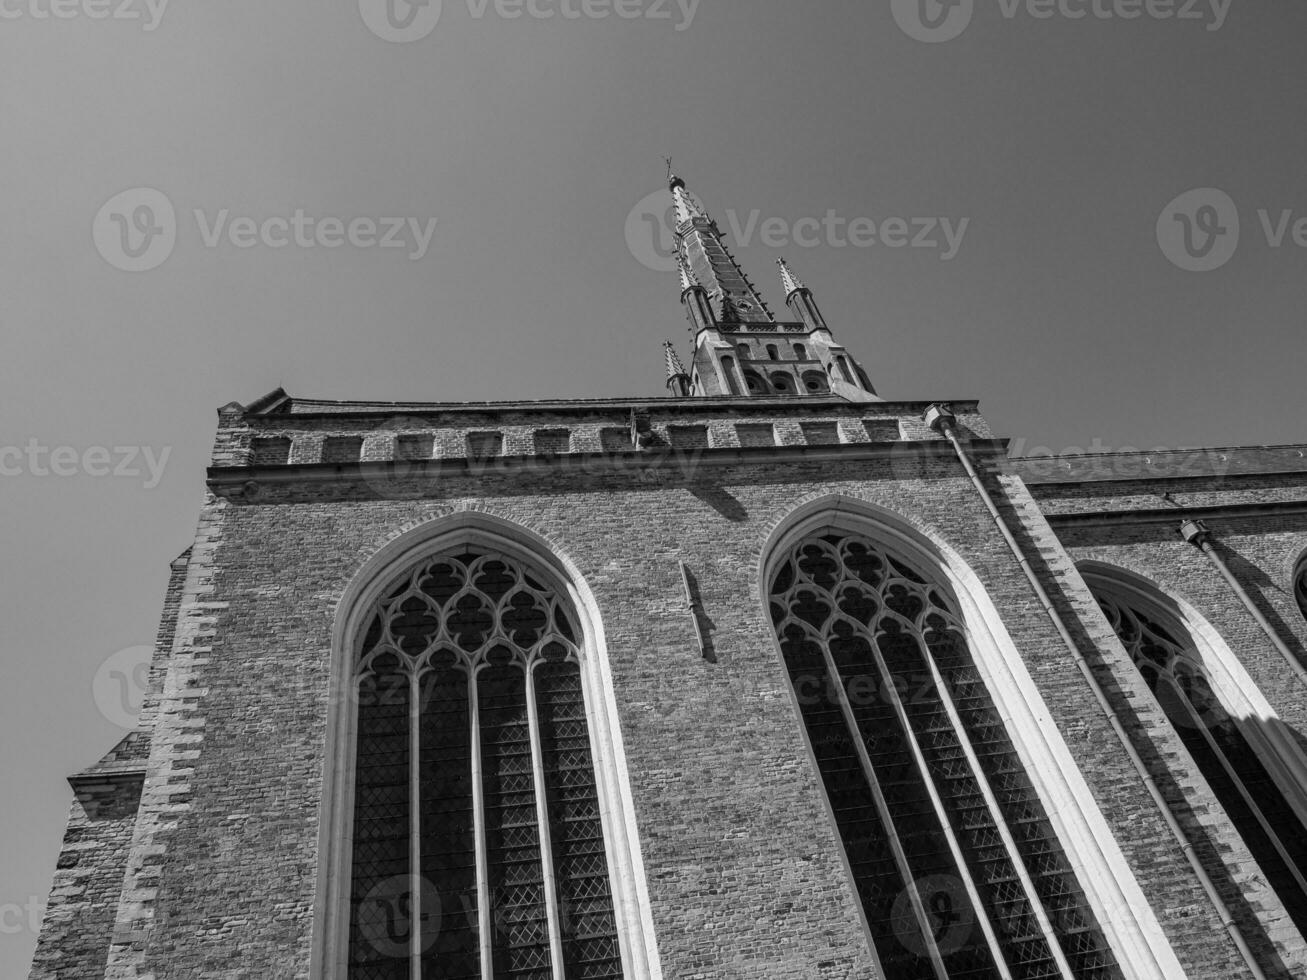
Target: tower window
x=783, y=383
x=743, y=351
x=475, y=780
x=773, y=353
x=954, y=860
x=801, y=352
x=755, y=383
x=815, y=382
x=1172, y=667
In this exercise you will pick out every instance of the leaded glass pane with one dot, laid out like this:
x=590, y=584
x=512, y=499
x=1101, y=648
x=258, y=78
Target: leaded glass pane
x=380, y=921
x=1266, y=821
x=590, y=947
x=473, y=632
x=867, y=641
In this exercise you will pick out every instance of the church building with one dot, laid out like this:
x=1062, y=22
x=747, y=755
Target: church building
x=766, y=679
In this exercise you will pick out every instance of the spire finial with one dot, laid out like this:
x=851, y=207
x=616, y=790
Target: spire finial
x=789, y=280
x=673, y=181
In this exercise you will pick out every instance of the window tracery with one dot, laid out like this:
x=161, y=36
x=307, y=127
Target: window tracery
x=474, y=778
x=1172, y=668
x=957, y=867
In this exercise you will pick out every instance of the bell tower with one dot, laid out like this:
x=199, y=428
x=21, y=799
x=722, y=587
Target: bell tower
x=740, y=348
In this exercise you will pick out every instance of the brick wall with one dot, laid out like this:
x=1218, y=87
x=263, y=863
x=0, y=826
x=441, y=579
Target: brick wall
x=743, y=865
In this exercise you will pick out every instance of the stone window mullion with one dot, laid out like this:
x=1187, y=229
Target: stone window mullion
x=1235, y=779
x=485, y=924
x=991, y=802
x=941, y=812
x=886, y=814
x=542, y=815
x=415, y=824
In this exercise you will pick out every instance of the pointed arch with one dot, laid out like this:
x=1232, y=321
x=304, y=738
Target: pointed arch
x=1113, y=896
x=486, y=535
x=1255, y=768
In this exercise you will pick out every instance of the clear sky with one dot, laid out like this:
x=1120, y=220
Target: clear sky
x=1053, y=147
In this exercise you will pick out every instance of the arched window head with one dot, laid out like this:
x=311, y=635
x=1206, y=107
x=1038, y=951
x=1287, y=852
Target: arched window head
x=743, y=351
x=755, y=383
x=801, y=352
x=783, y=383
x=478, y=842
x=814, y=382
x=1168, y=659
x=773, y=353
x=956, y=865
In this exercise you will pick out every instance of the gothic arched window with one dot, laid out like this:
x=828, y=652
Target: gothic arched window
x=478, y=842
x=1167, y=658
x=958, y=870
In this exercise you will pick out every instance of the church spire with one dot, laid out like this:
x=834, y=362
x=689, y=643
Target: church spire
x=799, y=299
x=678, y=382
x=789, y=280
x=740, y=349
x=694, y=297
x=736, y=299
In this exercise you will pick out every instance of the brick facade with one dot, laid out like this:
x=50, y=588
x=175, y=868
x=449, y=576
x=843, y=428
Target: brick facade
x=217, y=872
